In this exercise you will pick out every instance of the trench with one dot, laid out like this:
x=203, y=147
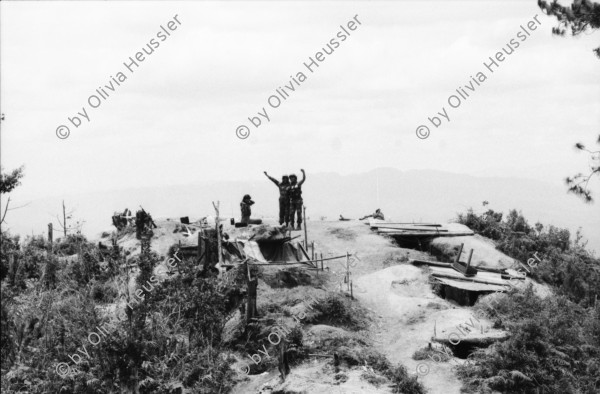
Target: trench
x=463, y=350
x=422, y=244
x=459, y=296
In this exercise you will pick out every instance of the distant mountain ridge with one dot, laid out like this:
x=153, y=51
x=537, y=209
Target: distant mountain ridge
x=414, y=195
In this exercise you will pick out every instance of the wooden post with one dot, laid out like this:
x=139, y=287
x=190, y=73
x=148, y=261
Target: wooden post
x=351, y=291
x=207, y=249
x=312, y=244
x=219, y=254
x=251, y=302
x=305, y=231
x=199, y=247
x=50, y=235
x=469, y=261
x=459, y=253
x=64, y=219
x=321, y=261
x=284, y=367
x=203, y=252
x=348, y=270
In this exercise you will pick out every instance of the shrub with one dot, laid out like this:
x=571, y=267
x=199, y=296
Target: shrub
x=428, y=353
x=403, y=383
x=336, y=309
x=104, y=292
x=488, y=224
x=70, y=244
x=554, y=342
x=565, y=263
x=8, y=244
x=554, y=345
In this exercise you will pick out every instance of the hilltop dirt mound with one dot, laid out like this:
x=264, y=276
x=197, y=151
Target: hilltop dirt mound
x=373, y=253
x=403, y=313
x=163, y=238
x=266, y=233
x=485, y=253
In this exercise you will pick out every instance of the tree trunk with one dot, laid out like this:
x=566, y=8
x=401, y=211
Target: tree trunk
x=64, y=219
x=50, y=235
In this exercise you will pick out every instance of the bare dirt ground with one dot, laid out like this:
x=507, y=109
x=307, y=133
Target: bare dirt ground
x=404, y=311
x=398, y=294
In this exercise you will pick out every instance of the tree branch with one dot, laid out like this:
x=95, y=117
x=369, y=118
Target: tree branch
x=5, y=210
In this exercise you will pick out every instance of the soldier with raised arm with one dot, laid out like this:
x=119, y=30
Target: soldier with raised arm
x=284, y=197
x=296, y=199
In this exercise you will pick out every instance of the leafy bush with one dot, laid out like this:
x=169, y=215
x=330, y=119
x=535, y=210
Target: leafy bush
x=555, y=342
x=170, y=337
x=554, y=345
x=566, y=264
x=403, y=383
x=104, y=292
x=70, y=244
x=488, y=224
x=8, y=244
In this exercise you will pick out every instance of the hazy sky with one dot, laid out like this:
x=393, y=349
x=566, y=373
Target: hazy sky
x=173, y=120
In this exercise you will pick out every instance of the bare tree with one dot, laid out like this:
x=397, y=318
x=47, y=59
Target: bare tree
x=64, y=224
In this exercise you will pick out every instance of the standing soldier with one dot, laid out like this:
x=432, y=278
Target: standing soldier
x=284, y=198
x=296, y=199
x=143, y=223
